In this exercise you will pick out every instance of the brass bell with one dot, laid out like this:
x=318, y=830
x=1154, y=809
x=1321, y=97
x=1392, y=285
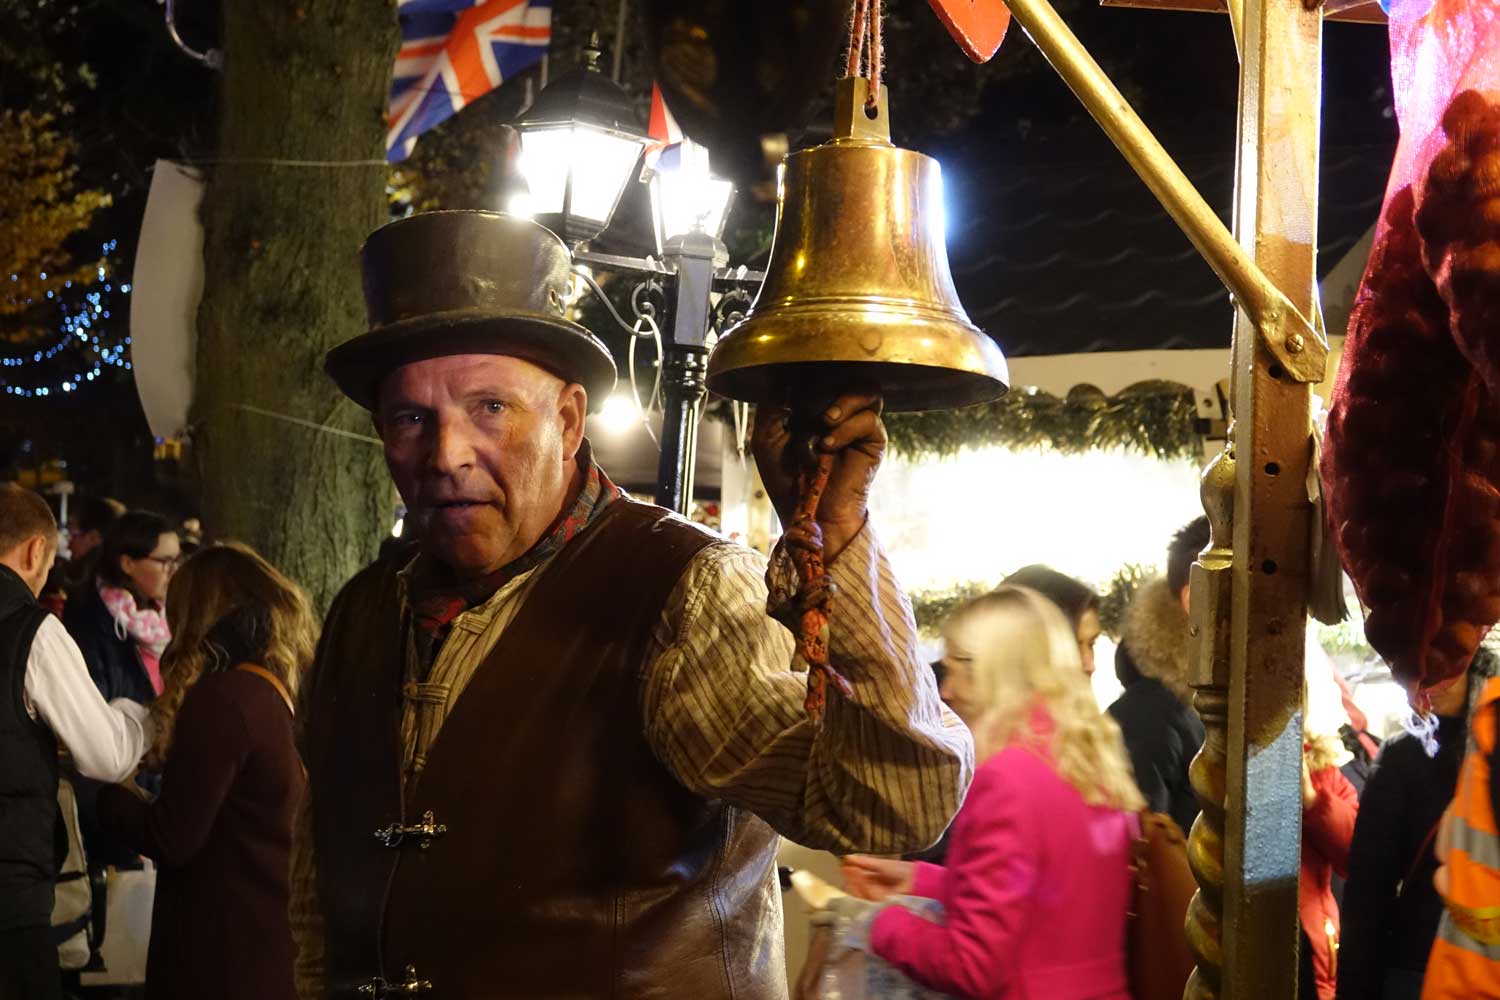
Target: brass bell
x=857, y=292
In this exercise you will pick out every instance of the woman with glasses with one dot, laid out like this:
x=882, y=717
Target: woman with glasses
x=119, y=620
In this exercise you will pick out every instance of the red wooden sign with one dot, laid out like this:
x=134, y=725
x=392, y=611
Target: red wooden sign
x=978, y=26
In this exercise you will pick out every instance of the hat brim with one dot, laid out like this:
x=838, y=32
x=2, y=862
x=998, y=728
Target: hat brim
x=565, y=349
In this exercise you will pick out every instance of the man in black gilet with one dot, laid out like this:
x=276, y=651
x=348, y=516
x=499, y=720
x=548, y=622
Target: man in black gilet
x=46, y=698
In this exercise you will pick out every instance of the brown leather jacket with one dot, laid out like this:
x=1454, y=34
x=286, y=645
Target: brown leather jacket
x=573, y=864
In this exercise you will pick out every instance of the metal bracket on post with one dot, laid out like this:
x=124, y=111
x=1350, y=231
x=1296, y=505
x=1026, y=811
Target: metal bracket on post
x=212, y=58
x=1298, y=346
x=694, y=259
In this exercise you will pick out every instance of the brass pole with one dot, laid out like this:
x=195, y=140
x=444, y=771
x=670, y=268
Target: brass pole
x=1289, y=335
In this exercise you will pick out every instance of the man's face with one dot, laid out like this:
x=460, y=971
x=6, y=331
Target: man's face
x=481, y=447
x=80, y=542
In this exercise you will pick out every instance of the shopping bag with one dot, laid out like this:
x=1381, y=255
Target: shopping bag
x=127, y=928
x=74, y=899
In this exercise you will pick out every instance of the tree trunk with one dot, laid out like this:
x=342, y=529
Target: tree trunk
x=303, y=80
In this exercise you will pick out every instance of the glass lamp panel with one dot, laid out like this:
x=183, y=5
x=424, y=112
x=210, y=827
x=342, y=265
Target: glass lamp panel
x=684, y=204
x=602, y=164
x=546, y=158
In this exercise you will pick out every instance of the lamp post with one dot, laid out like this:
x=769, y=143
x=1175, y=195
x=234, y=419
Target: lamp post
x=581, y=147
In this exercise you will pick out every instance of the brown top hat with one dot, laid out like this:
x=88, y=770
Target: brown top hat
x=444, y=283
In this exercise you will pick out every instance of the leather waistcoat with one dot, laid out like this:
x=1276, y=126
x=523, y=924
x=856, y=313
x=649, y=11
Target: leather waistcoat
x=572, y=864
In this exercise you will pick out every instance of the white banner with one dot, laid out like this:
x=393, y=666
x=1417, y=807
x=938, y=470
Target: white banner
x=168, y=283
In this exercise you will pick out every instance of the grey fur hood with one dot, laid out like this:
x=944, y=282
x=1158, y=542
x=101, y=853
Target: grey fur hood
x=1155, y=632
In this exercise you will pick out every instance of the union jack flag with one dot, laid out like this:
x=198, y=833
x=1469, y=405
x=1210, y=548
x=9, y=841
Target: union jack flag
x=454, y=52
x=665, y=134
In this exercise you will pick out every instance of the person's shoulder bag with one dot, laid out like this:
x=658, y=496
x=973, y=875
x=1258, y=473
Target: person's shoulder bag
x=1157, y=953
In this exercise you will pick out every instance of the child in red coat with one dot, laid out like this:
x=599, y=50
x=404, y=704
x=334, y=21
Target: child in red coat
x=1329, y=807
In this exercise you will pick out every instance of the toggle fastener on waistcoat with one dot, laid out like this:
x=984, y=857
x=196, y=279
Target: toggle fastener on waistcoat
x=379, y=989
x=425, y=832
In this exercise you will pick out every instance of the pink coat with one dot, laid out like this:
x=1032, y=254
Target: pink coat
x=1036, y=890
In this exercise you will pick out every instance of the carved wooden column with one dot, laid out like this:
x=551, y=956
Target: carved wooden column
x=1210, y=679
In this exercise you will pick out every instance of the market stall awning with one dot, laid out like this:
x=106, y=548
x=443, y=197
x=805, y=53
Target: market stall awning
x=1080, y=258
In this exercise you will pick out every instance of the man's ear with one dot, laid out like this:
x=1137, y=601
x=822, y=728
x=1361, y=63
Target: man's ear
x=34, y=554
x=572, y=410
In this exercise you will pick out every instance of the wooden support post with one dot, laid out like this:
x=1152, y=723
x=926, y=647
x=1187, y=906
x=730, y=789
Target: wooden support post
x=1276, y=221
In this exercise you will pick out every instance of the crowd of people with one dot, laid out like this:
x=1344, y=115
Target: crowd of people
x=171, y=686
x=175, y=739
x=493, y=770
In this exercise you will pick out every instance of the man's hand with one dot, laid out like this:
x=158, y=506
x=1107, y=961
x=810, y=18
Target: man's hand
x=851, y=431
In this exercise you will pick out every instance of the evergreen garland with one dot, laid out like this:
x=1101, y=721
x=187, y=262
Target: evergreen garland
x=930, y=607
x=1155, y=418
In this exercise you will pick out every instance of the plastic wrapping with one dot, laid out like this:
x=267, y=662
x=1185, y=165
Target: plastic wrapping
x=848, y=970
x=1445, y=61
x=1411, y=464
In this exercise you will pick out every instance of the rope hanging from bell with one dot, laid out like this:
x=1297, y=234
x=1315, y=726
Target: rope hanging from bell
x=865, y=52
x=866, y=47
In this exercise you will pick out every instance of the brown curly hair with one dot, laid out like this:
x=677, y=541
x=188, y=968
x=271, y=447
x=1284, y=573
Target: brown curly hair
x=228, y=583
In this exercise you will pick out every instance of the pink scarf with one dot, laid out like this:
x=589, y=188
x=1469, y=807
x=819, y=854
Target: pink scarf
x=147, y=626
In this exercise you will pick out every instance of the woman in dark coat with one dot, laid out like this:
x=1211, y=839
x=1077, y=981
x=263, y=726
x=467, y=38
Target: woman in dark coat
x=118, y=620
x=1391, y=910
x=221, y=830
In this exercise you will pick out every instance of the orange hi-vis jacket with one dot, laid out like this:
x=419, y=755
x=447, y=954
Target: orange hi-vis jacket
x=1465, y=961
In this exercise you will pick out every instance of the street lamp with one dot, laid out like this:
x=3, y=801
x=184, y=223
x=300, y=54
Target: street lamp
x=580, y=149
x=580, y=146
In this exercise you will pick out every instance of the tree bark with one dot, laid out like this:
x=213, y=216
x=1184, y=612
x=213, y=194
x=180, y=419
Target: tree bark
x=304, y=80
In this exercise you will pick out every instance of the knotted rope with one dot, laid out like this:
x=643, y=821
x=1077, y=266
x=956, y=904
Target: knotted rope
x=812, y=632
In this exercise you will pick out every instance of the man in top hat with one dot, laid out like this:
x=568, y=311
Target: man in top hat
x=550, y=756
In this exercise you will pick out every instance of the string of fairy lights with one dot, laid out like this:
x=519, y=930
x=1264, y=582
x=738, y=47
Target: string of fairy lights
x=86, y=344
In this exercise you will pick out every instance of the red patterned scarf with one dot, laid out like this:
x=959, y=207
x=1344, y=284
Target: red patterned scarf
x=437, y=598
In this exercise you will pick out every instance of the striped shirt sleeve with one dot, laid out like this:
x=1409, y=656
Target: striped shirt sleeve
x=722, y=697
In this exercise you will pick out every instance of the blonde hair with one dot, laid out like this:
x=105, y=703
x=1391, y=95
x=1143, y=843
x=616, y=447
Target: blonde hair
x=1024, y=656
x=216, y=582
